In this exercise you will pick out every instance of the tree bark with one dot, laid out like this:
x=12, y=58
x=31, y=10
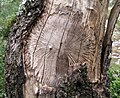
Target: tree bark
x=59, y=49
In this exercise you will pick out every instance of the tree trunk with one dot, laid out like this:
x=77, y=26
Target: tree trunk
x=59, y=49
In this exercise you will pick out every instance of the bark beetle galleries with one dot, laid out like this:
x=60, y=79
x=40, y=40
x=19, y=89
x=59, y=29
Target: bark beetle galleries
x=64, y=25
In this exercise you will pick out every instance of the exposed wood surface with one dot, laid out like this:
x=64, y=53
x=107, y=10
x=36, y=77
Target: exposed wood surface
x=52, y=40
x=65, y=36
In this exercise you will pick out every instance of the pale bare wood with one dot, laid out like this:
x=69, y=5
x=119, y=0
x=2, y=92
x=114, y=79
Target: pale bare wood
x=65, y=35
x=52, y=38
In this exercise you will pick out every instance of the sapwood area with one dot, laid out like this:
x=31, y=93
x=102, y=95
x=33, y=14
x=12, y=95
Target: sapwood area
x=60, y=49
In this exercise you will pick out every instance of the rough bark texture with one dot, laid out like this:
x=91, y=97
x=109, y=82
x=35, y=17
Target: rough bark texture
x=76, y=85
x=56, y=50
x=14, y=64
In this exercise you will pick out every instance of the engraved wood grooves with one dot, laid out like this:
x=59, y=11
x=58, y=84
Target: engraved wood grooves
x=64, y=36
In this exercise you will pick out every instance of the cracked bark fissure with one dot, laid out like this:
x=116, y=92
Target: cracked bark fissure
x=54, y=50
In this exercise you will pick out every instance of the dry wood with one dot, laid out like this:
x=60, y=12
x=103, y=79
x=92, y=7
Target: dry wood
x=52, y=40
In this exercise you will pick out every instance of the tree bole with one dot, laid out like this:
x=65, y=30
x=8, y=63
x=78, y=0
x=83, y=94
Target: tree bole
x=55, y=50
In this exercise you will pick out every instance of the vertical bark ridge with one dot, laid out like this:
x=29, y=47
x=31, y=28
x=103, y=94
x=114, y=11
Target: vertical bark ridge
x=14, y=59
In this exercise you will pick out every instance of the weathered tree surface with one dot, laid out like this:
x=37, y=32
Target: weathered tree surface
x=59, y=49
